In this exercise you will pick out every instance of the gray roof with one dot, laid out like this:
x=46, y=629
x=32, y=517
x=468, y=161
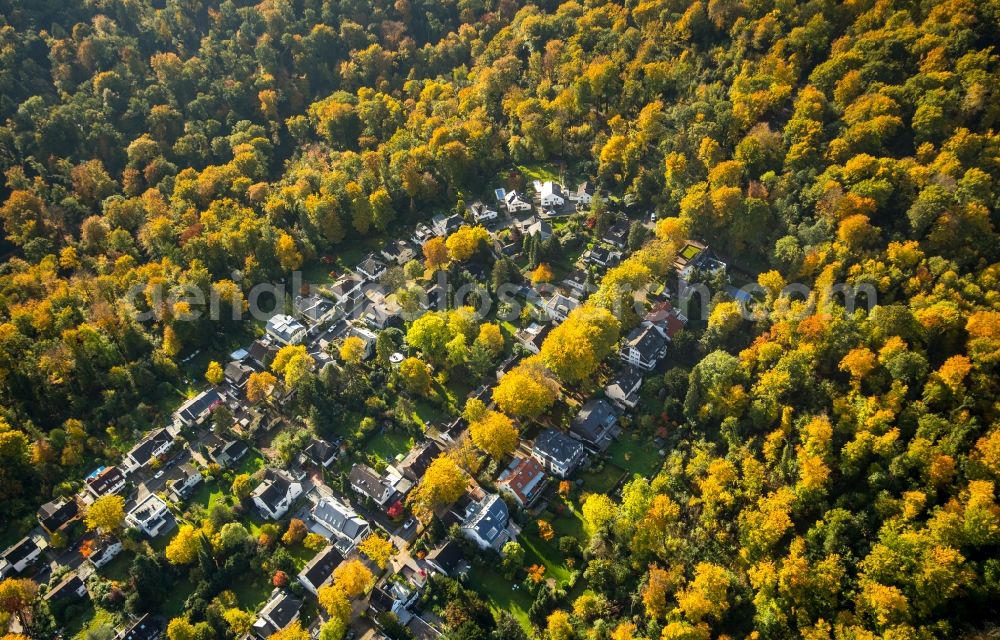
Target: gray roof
x=339, y=517
x=557, y=445
x=143, y=451
x=647, y=340
x=55, y=514
x=594, y=419
x=366, y=481
x=447, y=556
x=418, y=459
x=273, y=488
x=627, y=379
x=320, y=568
x=489, y=519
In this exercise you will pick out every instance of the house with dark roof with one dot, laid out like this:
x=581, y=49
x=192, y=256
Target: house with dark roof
x=532, y=336
x=144, y=628
x=369, y=484
x=319, y=571
x=371, y=268
x=237, y=373
x=400, y=251
x=481, y=213
x=487, y=523
x=524, y=480
x=347, y=529
x=151, y=447
x=103, y=550
x=422, y=233
x=347, y=289
x=151, y=516
x=70, y=588
x=595, y=425
x=185, y=484
x=281, y=610
x=260, y=354
x=558, y=453
x=540, y=228
x=668, y=320
x=506, y=365
x=105, y=481
x=55, y=515
x=226, y=453
x=275, y=494
x=514, y=202
x=644, y=347
x=623, y=390
x=314, y=309
x=19, y=556
x=447, y=559
x=196, y=410
x=413, y=466
x=397, y=594
x=577, y=282
x=320, y=452
x=601, y=256
x=584, y=193
x=617, y=234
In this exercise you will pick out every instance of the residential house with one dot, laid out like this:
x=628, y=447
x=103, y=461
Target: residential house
x=275, y=494
x=436, y=297
x=417, y=460
x=144, y=628
x=487, y=523
x=320, y=452
x=226, y=453
x=667, y=319
x=595, y=425
x=261, y=353
x=444, y=226
x=577, y=282
x=644, y=347
x=55, y=515
x=558, y=307
x=617, y=234
x=551, y=194
x=19, y=556
x=532, y=336
x=314, y=309
x=151, y=447
x=105, y=481
x=318, y=572
x=524, y=480
x=481, y=213
x=286, y=329
x=400, y=251
x=103, y=550
x=697, y=256
x=383, y=314
x=281, y=610
x=369, y=484
x=623, y=390
x=70, y=588
x=422, y=233
x=371, y=268
x=397, y=594
x=348, y=289
x=446, y=559
x=558, y=453
x=506, y=366
x=237, y=373
x=195, y=411
x=602, y=257
x=583, y=195
x=345, y=526
x=184, y=485
x=367, y=337
x=151, y=516
x=514, y=202
x=539, y=228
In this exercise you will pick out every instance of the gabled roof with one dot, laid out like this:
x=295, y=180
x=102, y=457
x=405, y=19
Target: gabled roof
x=104, y=480
x=145, y=628
x=585, y=188
x=273, y=488
x=320, y=569
x=561, y=304
x=557, y=445
x=489, y=518
x=345, y=284
x=69, y=587
x=195, y=408
x=142, y=452
x=371, y=265
x=284, y=326
x=53, y=515
x=523, y=478
x=225, y=452
x=20, y=550
x=380, y=600
x=533, y=335
x=418, y=459
x=339, y=518
x=365, y=480
x=647, y=340
x=313, y=307
x=448, y=556
x=593, y=419
x=320, y=451
x=617, y=232
x=237, y=372
x=262, y=352
x=628, y=379
x=665, y=316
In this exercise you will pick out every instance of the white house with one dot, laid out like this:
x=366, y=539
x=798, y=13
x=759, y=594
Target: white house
x=275, y=494
x=487, y=523
x=105, y=481
x=623, y=390
x=365, y=481
x=558, y=453
x=151, y=447
x=482, y=213
x=584, y=193
x=314, y=309
x=644, y=347
x=281, y=610
x=319, y=571
x=345, y=526
x=551, y=194
x=286, y=329
x=18, y=557
x=559, y=306
x=103, y=551
x=514, y=202
x=151, y=516
x=371, y=268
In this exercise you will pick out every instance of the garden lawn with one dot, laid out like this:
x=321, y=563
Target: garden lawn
x=547, y=554
x=500, y=594
x=603, y=481
x=90, y=620
x=636, y=456
x=389, y=444
x=252, y=593
x=173, y=606
x=541, y=172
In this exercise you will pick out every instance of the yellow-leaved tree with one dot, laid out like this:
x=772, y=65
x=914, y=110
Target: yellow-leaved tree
x=495, y=434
